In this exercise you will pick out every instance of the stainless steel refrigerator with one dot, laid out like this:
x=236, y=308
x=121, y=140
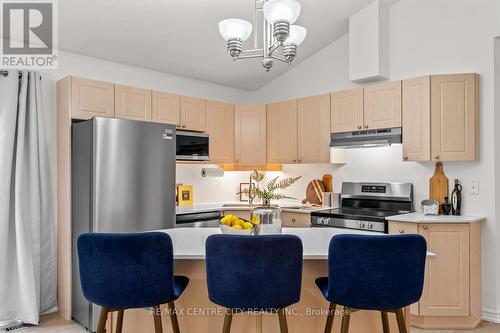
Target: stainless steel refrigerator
x=123, y=180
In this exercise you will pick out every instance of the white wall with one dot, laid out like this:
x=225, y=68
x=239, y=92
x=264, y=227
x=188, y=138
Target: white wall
x=427, y=37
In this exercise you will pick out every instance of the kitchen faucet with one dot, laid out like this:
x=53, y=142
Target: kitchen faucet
x=251, y=195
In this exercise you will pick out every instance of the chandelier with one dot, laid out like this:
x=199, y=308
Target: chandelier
x=280, y=37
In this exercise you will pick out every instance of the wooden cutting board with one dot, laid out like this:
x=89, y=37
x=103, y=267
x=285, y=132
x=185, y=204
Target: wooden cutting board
x=438, y=185
x=327, y=181
x=314, y=192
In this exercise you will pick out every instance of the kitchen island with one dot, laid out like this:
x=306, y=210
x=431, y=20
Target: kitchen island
x=197, y=314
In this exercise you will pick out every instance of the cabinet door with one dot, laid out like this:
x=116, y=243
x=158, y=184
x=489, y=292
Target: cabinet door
x=313, y=141
x=446, y=287
x=192, y=114
x=132, y=103
x=220, y=128
x=454, y=113
x=295, y=220
x=346, y=111
x=166, y=108
x=382, y=104
x=417, y=119
x=90, y=98
x=250, y=134
x=282, y=132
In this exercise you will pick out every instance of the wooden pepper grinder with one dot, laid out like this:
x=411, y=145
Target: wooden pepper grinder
x=438, y=186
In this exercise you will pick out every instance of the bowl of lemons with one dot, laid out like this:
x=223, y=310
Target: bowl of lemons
x=231, y=224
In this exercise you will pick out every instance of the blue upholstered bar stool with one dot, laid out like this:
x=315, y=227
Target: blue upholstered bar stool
x=382, y=273
x=248, y=273
x=124, y=271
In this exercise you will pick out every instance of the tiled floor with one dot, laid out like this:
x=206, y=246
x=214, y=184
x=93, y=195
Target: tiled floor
x=54, y=323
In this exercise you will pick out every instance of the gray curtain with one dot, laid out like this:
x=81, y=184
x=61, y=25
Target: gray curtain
x=27, y=241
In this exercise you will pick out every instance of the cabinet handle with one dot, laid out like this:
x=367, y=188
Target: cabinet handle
x=294, y=161
x=299, y=161
x=293, y=219
x=183, y=126
x=360, y=127
x=237, y=161
x=405, y=157
x=424, y=226
x=436, y=157
x=401, y=231
x=365, y=126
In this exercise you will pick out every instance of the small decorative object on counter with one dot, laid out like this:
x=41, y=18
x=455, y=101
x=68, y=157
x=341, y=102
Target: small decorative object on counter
x=314, y=192
x=234, y=225
x=430, y=207
x=185, y=195
x=456, y=199
x=446, y=206
x=438, y=185
x=268, y=217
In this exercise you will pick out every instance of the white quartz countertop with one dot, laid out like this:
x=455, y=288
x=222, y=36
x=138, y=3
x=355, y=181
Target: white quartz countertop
x=189, y=243
x=296, y=207
x=421, y=218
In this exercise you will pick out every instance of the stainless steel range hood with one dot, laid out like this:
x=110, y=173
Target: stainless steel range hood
x=368, y=138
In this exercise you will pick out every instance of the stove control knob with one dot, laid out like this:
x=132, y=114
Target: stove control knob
x=370, y=226
x=362, y=224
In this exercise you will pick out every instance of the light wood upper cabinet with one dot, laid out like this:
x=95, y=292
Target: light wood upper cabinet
x=417, y=119
x=166, y=108
x=382, y=105
x=282, y=132
x=346, y=111
x=250, y=134
x=220, y=128
x=454, y=117
x=192, y=114
x=91, y=98
x=132, y=103
x=446, y=286
x=313, y=141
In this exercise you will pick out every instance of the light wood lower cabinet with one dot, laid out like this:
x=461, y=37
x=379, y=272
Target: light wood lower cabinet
x=90, y=98
x=313, y=134
x=282, y=132
x=220, y=128
x=295, y=220
x=193, y=114
x=250, y=134
x=382, y=105
x=166, y=108
x=451, y=296
x=132, y=103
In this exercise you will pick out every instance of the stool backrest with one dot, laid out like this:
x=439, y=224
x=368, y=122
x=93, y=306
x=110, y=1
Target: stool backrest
x=376, y=272
x=254, y=272
x=126, y=270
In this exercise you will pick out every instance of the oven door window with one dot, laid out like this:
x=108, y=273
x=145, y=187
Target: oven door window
x=191, y=145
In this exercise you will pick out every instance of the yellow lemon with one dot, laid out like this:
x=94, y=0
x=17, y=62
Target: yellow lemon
x=238, y=222
x=255, y=219
x=226, y=220
x=237, y=226
x=247, y=225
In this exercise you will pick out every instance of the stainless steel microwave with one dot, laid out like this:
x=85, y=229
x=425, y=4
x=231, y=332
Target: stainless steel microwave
x=191, y=146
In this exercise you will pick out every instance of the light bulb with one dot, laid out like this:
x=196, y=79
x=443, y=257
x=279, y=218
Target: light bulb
x=281, y=10
x=235, y=29
x=296, y=36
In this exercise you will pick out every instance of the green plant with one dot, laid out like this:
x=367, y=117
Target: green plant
x=268, y=191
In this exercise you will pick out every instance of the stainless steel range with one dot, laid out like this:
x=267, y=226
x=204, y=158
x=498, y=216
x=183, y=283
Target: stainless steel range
x=366, y=206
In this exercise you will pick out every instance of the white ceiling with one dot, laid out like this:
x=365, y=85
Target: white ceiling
x=182, y=37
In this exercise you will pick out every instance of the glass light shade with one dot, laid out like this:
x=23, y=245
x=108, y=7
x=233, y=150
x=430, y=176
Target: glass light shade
x=235, y=28
x=297, y=35
x=281, y=10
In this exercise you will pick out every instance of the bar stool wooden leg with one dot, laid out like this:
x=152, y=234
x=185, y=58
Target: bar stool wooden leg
x=119, y=321
x=157, y=319
x=401, y=321
x=102, y=320
x=345, y=320
x=330, y=317
x=385, y=322
x=282, y=320
x=228, y=317
x=173, y=317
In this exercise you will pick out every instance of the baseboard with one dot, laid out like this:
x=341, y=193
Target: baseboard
x=491, y=316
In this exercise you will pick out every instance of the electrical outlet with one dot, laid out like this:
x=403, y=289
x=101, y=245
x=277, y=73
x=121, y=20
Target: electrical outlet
x=474, y=187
